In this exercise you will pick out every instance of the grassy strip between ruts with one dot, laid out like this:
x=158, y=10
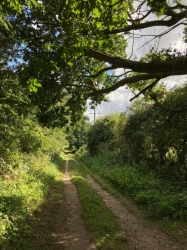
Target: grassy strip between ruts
x=21, y=198
x=98, y=218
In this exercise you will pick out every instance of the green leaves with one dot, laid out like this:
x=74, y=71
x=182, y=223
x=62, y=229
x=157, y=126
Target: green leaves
x=96, y=13
x=65, y=48
x=158, y=6
x=17, y=6
x=33, y=85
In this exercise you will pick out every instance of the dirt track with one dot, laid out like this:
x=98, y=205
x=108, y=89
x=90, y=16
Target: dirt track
x=68, y=231
x=73, y=235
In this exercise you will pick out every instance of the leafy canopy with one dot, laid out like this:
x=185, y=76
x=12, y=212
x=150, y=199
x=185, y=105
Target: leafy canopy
x=73, y=48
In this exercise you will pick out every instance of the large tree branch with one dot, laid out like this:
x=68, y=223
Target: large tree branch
x=130, y=80
x=175, y=66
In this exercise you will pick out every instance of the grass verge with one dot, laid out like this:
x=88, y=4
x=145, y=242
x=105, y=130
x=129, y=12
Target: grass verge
x=98, y=218
x=21, y=197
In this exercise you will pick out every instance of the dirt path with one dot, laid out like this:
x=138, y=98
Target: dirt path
x=62, y=227
x=72, y=235
x=142, y=236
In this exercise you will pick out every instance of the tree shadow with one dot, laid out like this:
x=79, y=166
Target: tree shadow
x=70, y=150
x=58, y=161
x=10, y=203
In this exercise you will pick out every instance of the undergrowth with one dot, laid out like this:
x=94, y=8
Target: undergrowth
x=162, y=200
x=21, y=194
x=99, y=220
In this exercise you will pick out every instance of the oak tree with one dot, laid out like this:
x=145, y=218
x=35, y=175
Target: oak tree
x=75, y=48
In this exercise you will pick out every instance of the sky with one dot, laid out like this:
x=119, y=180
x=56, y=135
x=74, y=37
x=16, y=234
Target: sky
x=119, y=99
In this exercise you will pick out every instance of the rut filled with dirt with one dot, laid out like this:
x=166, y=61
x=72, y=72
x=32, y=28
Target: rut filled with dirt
x=73, y=235
x=142, y=236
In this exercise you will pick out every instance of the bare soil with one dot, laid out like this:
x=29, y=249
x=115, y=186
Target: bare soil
x=66, y=229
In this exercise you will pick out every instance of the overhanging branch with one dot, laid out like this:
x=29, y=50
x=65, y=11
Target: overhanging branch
x=130, y=80
x=149, y=87
x=175, y=66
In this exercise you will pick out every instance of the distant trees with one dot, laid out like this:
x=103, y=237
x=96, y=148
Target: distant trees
x=105, y=133
x=77, y=134
x=153, y=134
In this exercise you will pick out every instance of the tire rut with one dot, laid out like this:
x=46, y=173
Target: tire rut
x=74, y=235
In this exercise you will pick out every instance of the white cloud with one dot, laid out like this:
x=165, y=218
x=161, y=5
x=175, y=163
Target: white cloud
x=119, y=71
x=174, y=81
x=119, y=100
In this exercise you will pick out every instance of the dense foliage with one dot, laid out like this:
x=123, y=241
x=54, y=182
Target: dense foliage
x=105, y=133
x=77, y=135
x=150, y=133
x=25, y=182
x=66, y=52
x=143, y=152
